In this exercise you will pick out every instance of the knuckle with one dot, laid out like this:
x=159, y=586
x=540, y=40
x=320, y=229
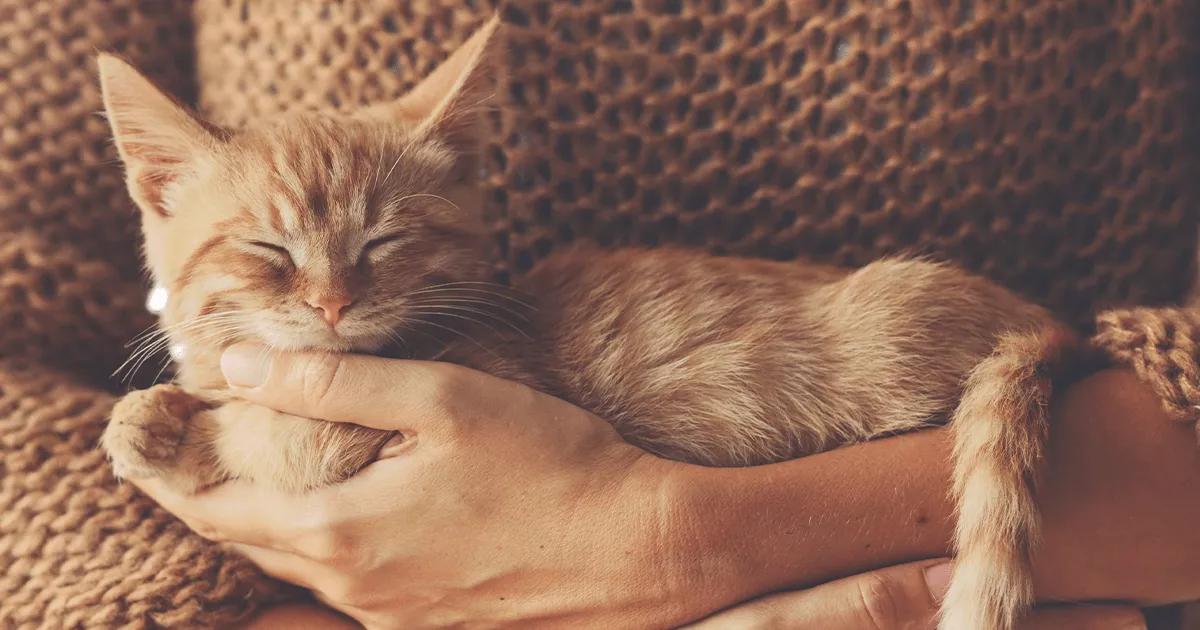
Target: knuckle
x=320, y=535
x=208, y=532
x=344, y=589
x=443, y=390
x=326, y=545
x=319, y=375
x=880, y=603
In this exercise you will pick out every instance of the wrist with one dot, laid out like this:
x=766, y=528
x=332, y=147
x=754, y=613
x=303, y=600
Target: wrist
x=701, y=535
x=660, y=567
x=739, y=533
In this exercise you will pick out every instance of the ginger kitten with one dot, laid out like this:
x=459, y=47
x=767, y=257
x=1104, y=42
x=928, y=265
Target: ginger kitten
x=360, y=232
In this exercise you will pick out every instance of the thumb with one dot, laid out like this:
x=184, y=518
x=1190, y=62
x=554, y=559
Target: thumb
x=896, y=598
x=388, y=394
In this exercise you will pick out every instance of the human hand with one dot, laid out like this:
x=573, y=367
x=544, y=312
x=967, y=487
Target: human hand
x=502, y=505
x=903, y=597
x=579, y=522
x=900, y=597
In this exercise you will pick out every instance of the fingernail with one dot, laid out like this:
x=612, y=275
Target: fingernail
x=245, y=365
x=937, y=579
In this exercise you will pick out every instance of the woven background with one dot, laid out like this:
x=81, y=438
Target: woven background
x=77, y=550
x=1046, y=143
x=70, y=289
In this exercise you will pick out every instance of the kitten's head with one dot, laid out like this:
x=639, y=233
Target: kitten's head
x=311, y=230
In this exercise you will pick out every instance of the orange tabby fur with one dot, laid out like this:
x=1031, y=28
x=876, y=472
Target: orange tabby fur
x=712, y=360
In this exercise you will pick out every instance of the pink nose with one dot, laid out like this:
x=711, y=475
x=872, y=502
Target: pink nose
x=331, y=306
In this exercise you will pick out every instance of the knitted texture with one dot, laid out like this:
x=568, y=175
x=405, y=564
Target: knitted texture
x=1041, y=143
x=77, y=549
x=69, y=266
x=1163, y=346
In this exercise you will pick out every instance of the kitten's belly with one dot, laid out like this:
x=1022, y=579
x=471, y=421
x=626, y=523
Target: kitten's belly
x=725, y=361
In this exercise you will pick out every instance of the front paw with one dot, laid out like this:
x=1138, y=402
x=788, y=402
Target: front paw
x=145, y=435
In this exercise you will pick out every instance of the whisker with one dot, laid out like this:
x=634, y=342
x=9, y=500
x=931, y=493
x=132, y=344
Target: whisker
x=149, y=330
x=403, y=153
x=476, y=282
x=484, y=290
x=415, y=195
x=468, y=318
x=163, y=344
x=149, y=343
x=162, y=368
x=441, y=343
x=460, y=334
x=455, y=299
x=492, y=316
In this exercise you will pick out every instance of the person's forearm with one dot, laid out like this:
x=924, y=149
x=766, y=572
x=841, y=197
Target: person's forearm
x=1121, y=497
x=808, y=521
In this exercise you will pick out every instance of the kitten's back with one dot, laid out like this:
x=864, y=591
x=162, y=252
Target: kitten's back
x=731, y=361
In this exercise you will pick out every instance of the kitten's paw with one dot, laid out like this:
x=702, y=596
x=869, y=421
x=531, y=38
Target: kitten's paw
x=145, y=435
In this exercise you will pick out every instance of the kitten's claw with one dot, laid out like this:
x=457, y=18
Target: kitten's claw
x=144, y=436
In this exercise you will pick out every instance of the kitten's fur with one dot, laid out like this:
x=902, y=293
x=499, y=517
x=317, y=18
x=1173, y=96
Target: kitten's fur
x=719, y=361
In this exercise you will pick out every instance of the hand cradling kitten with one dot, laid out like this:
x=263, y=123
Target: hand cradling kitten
x=360, y=232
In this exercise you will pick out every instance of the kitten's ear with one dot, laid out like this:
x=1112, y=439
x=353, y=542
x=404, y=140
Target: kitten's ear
x=446, y=104
x=157, y=137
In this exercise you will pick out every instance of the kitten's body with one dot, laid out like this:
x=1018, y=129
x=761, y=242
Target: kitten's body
x=724, y=361
x=712, y=360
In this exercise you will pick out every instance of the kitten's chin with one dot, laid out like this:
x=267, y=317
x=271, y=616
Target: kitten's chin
x=323, y=341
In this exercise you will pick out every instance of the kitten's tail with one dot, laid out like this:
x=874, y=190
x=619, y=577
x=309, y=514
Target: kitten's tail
x=1000, y=430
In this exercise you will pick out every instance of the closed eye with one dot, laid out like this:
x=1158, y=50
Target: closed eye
x=277, y=250
x=376, y=243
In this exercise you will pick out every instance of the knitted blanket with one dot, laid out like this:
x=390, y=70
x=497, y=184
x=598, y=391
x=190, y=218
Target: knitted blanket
x=1046, y=144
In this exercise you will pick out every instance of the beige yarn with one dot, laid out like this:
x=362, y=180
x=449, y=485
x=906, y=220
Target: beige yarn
x=1043, y=143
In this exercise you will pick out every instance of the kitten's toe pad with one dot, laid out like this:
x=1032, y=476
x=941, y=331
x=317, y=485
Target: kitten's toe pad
x=146, y=430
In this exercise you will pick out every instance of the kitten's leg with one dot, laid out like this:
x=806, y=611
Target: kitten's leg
x=289, y=452
x=1000, y=430
x=191, y=444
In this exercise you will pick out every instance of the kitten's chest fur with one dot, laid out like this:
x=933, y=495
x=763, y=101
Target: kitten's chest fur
x=728, y=361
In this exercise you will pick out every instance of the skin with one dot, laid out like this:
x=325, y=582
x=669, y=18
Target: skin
x=903, y=596
x=640, y=525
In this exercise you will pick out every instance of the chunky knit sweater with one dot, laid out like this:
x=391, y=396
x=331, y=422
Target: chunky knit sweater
x=1050, y=145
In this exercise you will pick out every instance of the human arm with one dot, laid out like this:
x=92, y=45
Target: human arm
x=1120, y=495
x=903, y=597
x=672, y=542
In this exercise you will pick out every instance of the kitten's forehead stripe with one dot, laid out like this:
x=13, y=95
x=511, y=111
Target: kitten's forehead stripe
x=273, y=216
x=203, y=252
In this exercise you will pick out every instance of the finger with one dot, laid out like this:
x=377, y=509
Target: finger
x=285, y=566
x=327, y=585
x=901, y=597
x=239, y=512
x=381, y=393
x=1085, y=617
x=300, y=617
